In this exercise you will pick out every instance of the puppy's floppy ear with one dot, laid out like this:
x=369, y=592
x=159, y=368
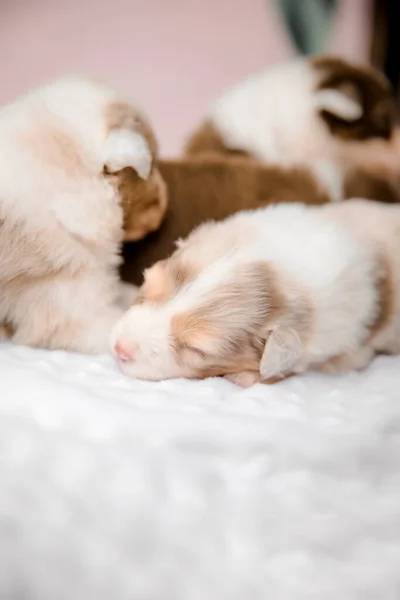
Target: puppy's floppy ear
x=356, y=102
x=283, y=349
x=285, y=336
x=338, y=104
x=127, y=148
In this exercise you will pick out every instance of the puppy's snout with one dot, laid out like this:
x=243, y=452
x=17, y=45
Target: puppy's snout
x=125, y=351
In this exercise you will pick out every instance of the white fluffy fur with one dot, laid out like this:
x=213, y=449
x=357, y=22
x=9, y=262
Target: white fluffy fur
x=60, y=218
x=325, y=258
x=118, y=489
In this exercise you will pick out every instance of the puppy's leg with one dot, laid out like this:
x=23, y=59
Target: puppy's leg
x=87, y=334
x=67, y=315
x=244, y=379
x=348, y=361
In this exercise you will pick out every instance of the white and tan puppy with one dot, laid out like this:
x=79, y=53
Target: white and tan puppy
x=77, y=176
x=324, y=107
x=268, y=293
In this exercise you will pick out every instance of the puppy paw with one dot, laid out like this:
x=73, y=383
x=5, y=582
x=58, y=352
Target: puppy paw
x=244, y=379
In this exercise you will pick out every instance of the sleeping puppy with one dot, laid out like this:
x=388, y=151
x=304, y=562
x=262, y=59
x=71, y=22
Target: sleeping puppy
x=268, y=293
x=212, y=188
x=323, y=106
x=77, y=176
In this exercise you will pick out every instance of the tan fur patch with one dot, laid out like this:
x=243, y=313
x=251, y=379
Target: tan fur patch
x=54, y=148
x=362, y=183
x=157, y=286
x=144, y=202
x=190, y=330
x=207, y=140
x=164, y=280
x=226, y=330
x=7, y=330
x=365, y=85
x=180, y=273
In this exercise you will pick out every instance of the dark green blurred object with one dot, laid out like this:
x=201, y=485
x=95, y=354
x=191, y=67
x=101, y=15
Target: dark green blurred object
x=308, y=22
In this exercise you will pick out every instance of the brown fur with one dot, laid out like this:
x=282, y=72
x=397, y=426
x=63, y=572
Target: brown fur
x=7, y=331
x=207, y=140
x=199, y=190
x=214, y=188
x=144, y=201
x=361, y=183
x=365, y=85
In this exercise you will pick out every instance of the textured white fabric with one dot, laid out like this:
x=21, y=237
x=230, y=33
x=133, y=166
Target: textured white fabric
x=116, y=489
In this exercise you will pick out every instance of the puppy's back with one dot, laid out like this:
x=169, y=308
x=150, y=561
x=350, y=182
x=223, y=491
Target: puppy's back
x=213, y=189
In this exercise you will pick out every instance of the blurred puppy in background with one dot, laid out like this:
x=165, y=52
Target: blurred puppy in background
x=77, y=176
x=324, y=107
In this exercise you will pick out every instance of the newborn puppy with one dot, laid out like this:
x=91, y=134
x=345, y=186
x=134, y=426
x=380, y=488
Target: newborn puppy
x=212, y=188
x=77, y=176
x=316, y=107
x=268, y=293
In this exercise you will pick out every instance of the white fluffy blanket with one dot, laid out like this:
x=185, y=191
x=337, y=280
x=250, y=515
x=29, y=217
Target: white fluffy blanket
x=121, y=490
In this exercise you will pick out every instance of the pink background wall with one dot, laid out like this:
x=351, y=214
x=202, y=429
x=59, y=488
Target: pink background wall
x=173, y=56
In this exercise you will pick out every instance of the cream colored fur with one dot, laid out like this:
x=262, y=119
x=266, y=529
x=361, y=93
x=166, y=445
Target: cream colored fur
x=267, y=293
x=61, y=219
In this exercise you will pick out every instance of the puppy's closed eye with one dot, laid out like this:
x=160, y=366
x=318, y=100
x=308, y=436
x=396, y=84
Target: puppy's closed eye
x=195, y=350
x=183, y=347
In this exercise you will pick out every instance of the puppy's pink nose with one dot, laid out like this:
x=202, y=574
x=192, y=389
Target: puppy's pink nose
x=125, y=351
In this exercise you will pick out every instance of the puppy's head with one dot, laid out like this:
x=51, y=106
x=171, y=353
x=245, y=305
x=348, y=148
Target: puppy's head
x=355, y=102
x=203, y=314
x=130, y=163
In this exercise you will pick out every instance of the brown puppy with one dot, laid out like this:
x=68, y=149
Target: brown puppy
x=214, y=188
